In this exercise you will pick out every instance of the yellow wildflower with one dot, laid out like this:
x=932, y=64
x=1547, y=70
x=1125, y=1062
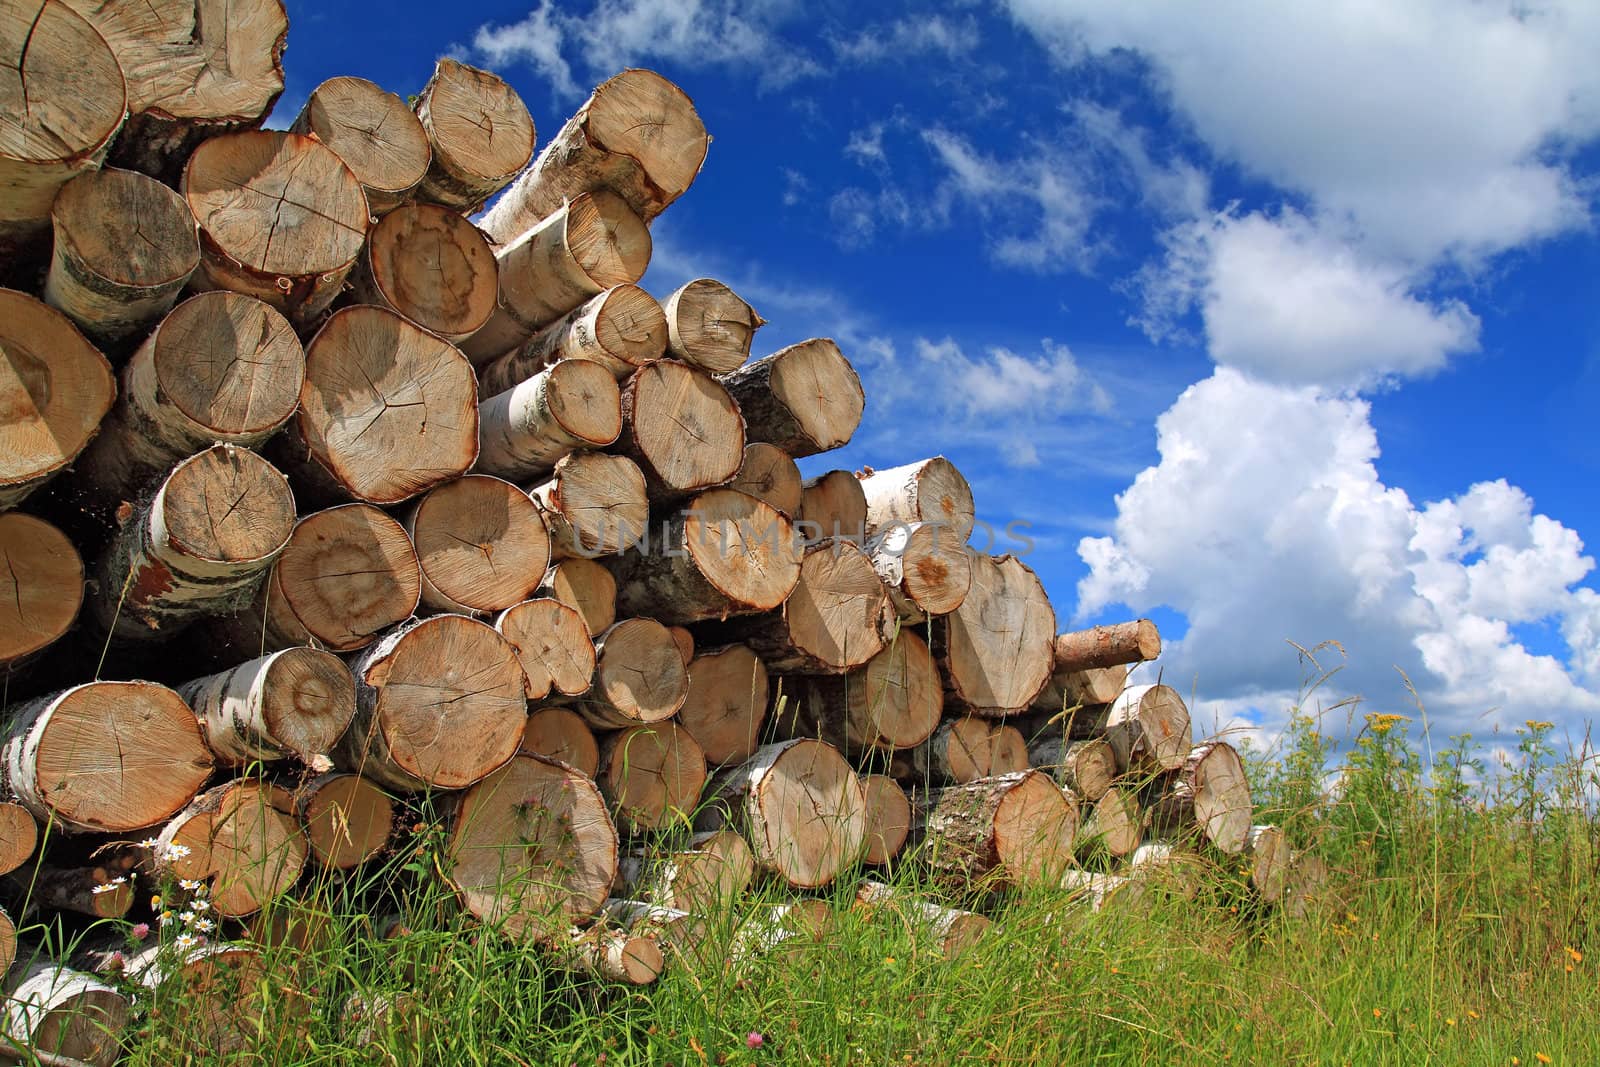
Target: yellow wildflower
x=1538, y=724
x=1377, y=1013
x=1574, y=954
x=1450, y=1020
x=1472, y=1014
x=1383, y=723
x=1541, y=1057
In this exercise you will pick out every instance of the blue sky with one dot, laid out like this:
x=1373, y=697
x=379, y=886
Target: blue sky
x=1274, y=321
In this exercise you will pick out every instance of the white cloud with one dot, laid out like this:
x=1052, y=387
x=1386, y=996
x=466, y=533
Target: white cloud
x=910, y=38
x=795, y=186
x=1288, y=302
x=1002, y=383
x=1265, y=520
x=865, y=146
x=536, y=40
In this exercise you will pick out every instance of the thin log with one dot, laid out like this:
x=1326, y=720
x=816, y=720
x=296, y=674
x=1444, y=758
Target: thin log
x=621, y=329
x=195, y=70
x=682, y=428
x=892, y=702
x=553, y=646
x=571, y=405
x=561, y=734
x=805, y=398
x=66, y=1015
x=532, y=849
x=725, y=554
x=481, y=133
x=767, y=473
x=376, y=135
x=680, y=931
x=610, y=954
x=800, y=807
x=1148, y=729
x=8, y=941
x=57, y=57
x=482, y=545
x=582, y=248
x=346, y=575
x=639, y=677
x=926, y=569
x=202, y=545
x=108, y=285
x=586, y=587
x=837, y=618
x=709, y=874
x=833, y=505
x=797, y=924
x=1208, y=797
x=1092, y=688
x=96, y=891
x=1114, y=825
x=952, y=930
x=969, y=748
x=1307, y=890
x=1101, y=892
x=994, y=649
x=1169, y=867
x=221, y=367
x=596, y=504
x=637, y=135
x=281, y=219
x=929, y=491
x=19, y=836
x=1015, y=829
x=652, y=776
x=41, y=586
x=387, y=411
x=1270, y=861
x=888, y=818
x=1088, y=768
x=347, y=819
x=54, y=389
x=234, y=838
x=297, y=702
x=431, y=265
x=439, y=702
x=382, y=1021
x=1107, y=646
x=65, y=760
x=727, y=702
x=709, y=326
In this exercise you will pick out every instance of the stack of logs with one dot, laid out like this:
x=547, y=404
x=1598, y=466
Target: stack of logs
x=320, y=497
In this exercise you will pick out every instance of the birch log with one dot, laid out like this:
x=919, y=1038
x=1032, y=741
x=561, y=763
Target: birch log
x=709, y=326
x=125, y=246
x=1147, y=727
x=805, y=398
x=532, y=849
x=387, y=411
x=682, y=428
x=1307, y=890
x=994, y=649
x=680, y=931
x=281, y=219
x=194, y=69
x=297, y=702
x=234, y=838
x=800, y=807
x=1088, y=768
x=709, y=874
x=833, y=505
x=432, y=266
x=969, y=748
x=652, y=776
x=202, y=544
x=346, y=575
x=19, y=836
x=439, y=703
x=587, y=588
x=374, y=132
x=892, y=702
x=573, y=404
x=1114, y=825
x=221, y=367
x=953, y=931
x=925, y=567
x=609, y=954
x=727, y=703
x=888, y=818
x=1079, y=693
x=1269, y=854
x=725, y=554
x=1207, y=796
x=596, y=504
x=1107, y=646
x=582, y=248
x=552, y=645
x=1168, y=867
x=347, y=819
x=66, y=1015
x=213, y=997
x=481, y=134
x=620, y=330
x=637, y=135
x=837, y=618
x=98, y=892
x=54, y=389
x=929, y=491
x=59, y=58
x=1012, y=830
x=41, y=586
x=561, y=734
x=639, y=677
x=482, y=545
x=767, y=473
x=65, y=758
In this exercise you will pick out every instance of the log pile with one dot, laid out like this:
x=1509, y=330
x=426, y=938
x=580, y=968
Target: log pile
x=322, y=505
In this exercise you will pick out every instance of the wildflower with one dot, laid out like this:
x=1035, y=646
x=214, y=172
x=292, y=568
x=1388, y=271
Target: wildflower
x=1538, y=724
x=1574, y=955
x=1383, y=723
x=1450, y=1020
x=149, y=842
x=140, y=931
x=204, y=925
x=190, y=884
x=1472, y=1014
x=200, y=904
x=1377, y=1013
x=1541, y=1057
x=168, y=917
x=188, y=918
x=175, y=852
x=186, y=941
x=155, y=902
x=104, y=887
x=754, y=1040
x=889, y=960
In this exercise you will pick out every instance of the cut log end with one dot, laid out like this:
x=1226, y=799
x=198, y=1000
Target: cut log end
x=995, y=647
x=837, y=616
x=553, y=646
x=971, y=748
x=481, y=133
x=805, y=399
x=573, y=404
x=833, y=505
x=561, y=734
x=374, y=132
x=768, y=474
x=1107, y=646
x=295, y=702
x=19, y=836
x=235, y=837
x=347, y=819
x=431, y=265
x=607, y=239
x=587, y=588
x=652, y=775
x=598, y=504
x=805, y=809
x=227, y=505
x=709, y=326
x=931, y=491
x=1270, y=861
x=1148, y=729
x=727, y=702
x=41, y=585
x=888, y=818
x=639, y=676
x=683, y=427
x=482, y=545
x=67, y=1015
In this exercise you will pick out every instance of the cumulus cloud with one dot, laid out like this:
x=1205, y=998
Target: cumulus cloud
x=1265, y=520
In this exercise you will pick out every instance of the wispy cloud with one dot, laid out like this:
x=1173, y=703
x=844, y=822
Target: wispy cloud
x=909, y=39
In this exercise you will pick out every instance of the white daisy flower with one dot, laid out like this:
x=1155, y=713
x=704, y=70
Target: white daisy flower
x=191, y=883
x=186, y=941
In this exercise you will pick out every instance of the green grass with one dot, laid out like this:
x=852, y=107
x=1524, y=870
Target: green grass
x=1460, y=929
